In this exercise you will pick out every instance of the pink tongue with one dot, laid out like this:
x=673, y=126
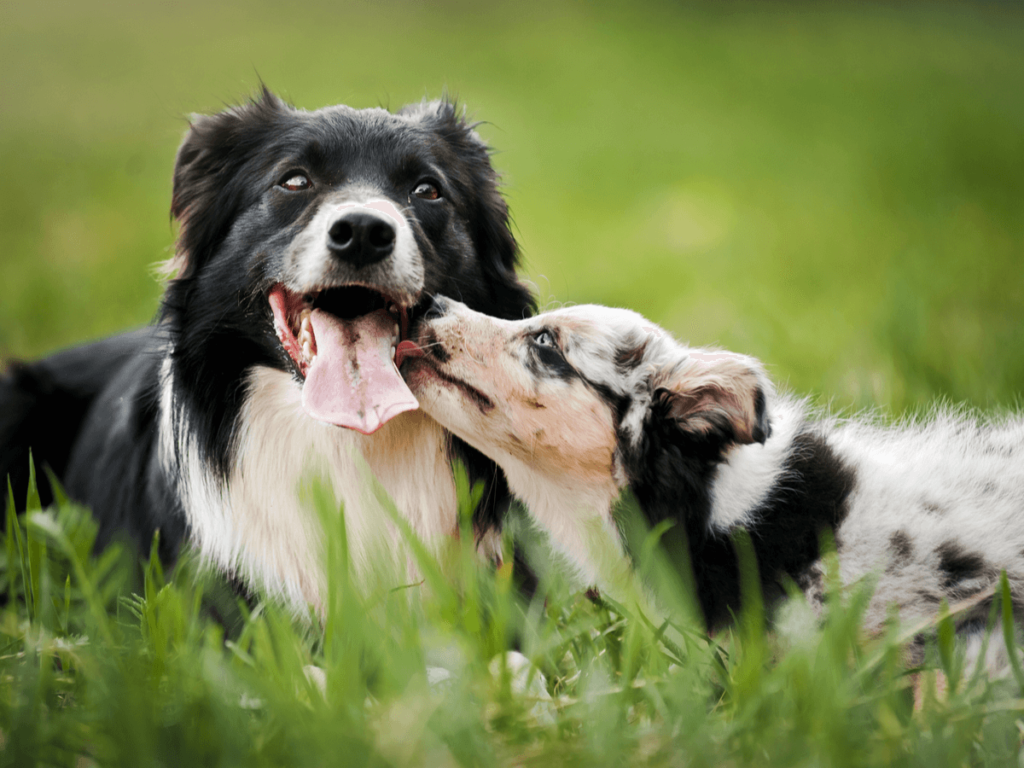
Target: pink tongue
x=353, y=381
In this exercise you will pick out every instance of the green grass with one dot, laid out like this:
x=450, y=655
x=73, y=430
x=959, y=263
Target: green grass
x=103, y=663
x=837, y=189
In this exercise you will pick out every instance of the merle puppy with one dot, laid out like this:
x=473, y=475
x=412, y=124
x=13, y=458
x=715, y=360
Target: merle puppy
x=308, y=241
x=580, y=403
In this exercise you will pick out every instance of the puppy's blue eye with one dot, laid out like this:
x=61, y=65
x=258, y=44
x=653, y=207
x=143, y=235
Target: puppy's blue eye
x=295, y=182
x=544, y=339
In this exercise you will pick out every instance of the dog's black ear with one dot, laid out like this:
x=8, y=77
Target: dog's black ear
x=719, y=397
x=207, y=194
x=490, y=231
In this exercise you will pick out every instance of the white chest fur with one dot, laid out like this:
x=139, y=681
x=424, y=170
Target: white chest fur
x=261, y=526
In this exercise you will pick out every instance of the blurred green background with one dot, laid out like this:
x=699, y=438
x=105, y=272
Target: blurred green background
x=836, y=188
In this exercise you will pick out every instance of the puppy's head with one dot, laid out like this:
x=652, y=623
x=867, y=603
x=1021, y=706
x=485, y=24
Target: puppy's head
x=586, y=392
x=308, y=238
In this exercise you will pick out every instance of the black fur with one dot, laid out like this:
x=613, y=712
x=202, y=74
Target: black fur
x=671, y=475
x=43, y=404
x=92, y=413
x=762, y=426
x=958, y=565
x=629, y=357
x=902, y=550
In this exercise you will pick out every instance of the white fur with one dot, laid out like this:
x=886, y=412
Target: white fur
x=749, y=472
x=952, y=478
x=260, y=524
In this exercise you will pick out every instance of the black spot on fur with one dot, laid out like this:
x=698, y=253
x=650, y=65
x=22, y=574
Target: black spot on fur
x=902, y=550
x=762, y=428
x=441, y=354
x=933, y=509
x=959, y=565
x=628, y=358
x=671, y=474
x=546, y=362
x=433, y=347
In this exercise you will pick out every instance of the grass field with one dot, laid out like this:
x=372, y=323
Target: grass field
x=837, y=189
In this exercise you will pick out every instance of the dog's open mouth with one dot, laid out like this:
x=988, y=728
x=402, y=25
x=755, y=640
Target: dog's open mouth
x=347, y=343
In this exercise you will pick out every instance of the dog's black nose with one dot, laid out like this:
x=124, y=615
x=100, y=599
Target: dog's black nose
x=438, y=307
x=360, y=238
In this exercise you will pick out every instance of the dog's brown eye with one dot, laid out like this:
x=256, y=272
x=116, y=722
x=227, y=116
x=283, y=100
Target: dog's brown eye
x=426, y=190
x=295, y=182
x=544, y=339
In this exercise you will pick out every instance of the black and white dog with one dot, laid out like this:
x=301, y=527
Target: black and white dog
x=578, y=404
x=308, y=241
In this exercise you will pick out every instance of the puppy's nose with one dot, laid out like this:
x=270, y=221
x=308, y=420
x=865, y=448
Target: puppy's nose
x=361, y=238
x=437, y=308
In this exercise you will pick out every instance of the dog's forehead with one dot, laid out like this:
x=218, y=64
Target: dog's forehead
x=340, y=134
x=348, y=121
x=605, y=331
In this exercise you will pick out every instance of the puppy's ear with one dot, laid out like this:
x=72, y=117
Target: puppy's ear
x=717, y=396
x=490, y=228
x=206, y=195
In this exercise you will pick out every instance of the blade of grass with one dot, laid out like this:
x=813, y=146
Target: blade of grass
x=1009, y=635
x=10, y=523
x=60, y=497
x=45, y=524
x=22, y=560
x=32, y=493
x=945, y=633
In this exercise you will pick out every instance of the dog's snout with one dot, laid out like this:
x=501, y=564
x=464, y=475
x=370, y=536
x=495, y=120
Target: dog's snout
x=437, y=308
x=361, y=238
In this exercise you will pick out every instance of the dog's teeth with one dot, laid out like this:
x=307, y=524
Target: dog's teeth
x=396, y=331
x=392, y=352
x=303, y=324
x=307, y=352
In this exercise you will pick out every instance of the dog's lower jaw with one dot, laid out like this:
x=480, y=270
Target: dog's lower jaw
x=260, y=523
